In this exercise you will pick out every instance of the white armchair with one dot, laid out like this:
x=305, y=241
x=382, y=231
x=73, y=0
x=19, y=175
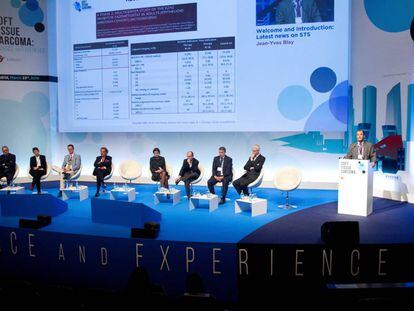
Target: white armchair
x=48, y=171
x=45, y=176
x=3, y=180
x=287, y=179
x=107, y=177
x=168, y=168
x=257, y=182
x=77, y=174
x=200, y=178
x=130, y=170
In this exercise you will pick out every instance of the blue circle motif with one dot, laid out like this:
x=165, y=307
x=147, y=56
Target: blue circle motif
x=323, y=79
x=295, y=102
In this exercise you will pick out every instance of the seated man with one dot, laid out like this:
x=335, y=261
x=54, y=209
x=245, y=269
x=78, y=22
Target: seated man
x=189, y=172
x=7, y=165
x=70, y=166
x=38, y=168
x=103, y=167
x=253, y=168
x=362, y=150
x=222, y=172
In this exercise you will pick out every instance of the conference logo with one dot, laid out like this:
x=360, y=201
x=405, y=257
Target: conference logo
x=81, y=5
x=1, y=58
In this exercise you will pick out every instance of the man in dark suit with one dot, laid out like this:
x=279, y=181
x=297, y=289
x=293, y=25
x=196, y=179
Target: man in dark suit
x=362, y=150
x=253, y=168
x=189, y=172
x=103, y=167
x=38, y=168
x=7, y=165
x=222, y=171
x=297, y=12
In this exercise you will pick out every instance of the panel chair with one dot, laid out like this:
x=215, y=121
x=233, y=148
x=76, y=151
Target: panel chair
x=107, y=177
x=199, y=179
x=76, y=176
x=3, y=180
x=44, y=177
x=287, y=179
x=257, y=183
x=130, y=170
x=220, y=184
x=169, y=170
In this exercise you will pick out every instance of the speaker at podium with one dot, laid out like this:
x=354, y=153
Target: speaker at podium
x=355, y=187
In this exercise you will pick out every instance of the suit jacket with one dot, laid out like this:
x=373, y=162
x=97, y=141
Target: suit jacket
x=76, y=162
x=107, y=163
x=8, y=163
x=253, y=168
x=285, y=12
x=368, y=152
x=227, y=167
x=43, y=163
x=185, y=168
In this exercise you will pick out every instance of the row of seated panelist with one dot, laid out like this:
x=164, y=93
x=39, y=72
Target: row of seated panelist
x=191, y=172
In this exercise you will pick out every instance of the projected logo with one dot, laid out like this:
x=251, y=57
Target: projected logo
x=1, y=58
x=77, y=6
x=81, y=5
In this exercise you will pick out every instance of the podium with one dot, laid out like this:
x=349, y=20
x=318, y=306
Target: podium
x=355, y=187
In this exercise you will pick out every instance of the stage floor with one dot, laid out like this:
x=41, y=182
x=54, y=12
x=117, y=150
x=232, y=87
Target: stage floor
x=73, y=250
x=180, y=224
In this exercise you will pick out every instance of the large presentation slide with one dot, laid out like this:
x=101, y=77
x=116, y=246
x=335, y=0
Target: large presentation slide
x=202, y=65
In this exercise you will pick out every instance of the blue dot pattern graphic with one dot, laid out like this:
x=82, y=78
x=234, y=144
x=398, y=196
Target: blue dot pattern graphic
x=15, y=3
x=32, y=5
x=323, y=79
x=338, y=101
x=390, y=15
x=295, y=102
x=30, y=17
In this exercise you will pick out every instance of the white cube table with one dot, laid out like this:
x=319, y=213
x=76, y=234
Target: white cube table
x=212, y=201
x=161, y=196
x=12, y=190
x=122, y=194
x=256, y=206
x=73, y=192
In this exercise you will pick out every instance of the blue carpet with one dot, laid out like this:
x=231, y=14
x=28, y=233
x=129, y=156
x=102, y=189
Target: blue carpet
x=180, y=224
x=390, y=223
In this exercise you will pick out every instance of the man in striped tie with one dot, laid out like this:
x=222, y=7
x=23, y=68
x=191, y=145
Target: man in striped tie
x=362, y=150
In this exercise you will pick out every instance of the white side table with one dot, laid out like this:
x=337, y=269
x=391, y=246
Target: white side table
x=212, y=201
x=161, y=196
x=12, y=190
x=122, y=193
x=80, y=192
x=256, y=206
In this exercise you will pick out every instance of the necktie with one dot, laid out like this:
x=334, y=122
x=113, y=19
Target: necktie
x=298, y=8
x=360, y=148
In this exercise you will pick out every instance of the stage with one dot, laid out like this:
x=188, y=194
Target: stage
x=233, y=253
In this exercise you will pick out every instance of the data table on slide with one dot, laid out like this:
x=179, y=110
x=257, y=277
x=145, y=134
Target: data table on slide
x=117, y=80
